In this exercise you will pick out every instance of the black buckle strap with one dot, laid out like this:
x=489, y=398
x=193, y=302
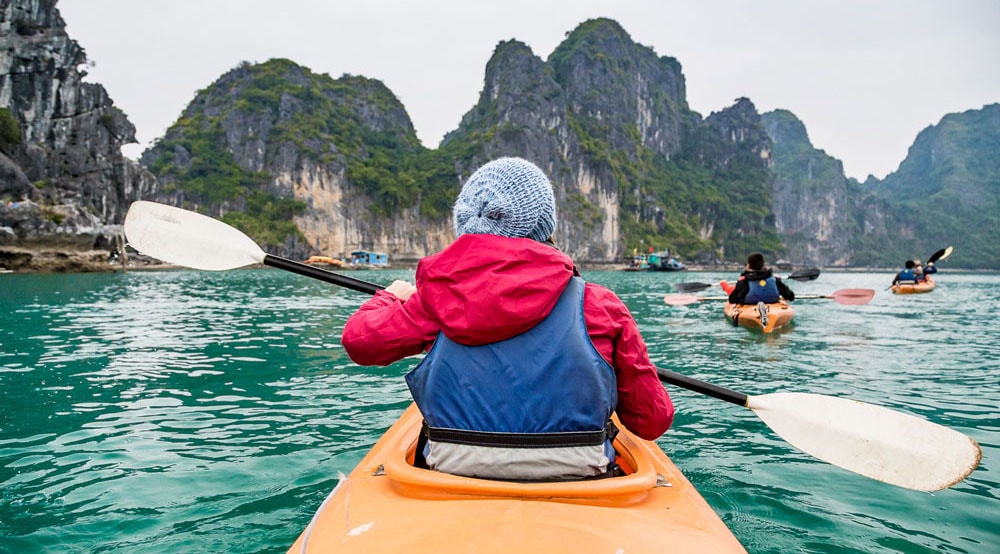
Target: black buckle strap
x=522, y=440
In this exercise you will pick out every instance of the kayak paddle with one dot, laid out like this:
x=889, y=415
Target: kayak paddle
x=876, y=442
x=809, y=274
x=190, y=239
x=843, y=296
x=940, y=255
x=851, y=297
x=685, y=299
x=870, y=440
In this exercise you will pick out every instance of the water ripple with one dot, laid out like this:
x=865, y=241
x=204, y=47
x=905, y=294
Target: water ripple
x=194, y=411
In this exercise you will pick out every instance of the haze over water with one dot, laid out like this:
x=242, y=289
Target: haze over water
x=185, y=411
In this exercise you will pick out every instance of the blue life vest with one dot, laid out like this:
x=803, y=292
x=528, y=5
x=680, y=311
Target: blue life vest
x=534, y=406
x=762, y=290
x=906, y=275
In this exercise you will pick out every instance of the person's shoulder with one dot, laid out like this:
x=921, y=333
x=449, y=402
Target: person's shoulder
x=601, y=293
x=600, y=299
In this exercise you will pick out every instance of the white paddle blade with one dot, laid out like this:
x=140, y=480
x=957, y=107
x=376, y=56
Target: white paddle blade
x=873, y=441
x=680, y=299
x=187, y=238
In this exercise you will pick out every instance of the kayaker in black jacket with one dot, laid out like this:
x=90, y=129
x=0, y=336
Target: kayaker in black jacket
x=758, y=284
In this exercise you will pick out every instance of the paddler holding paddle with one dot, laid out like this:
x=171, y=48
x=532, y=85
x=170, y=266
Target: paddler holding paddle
x=758, y=285
x=525, y=361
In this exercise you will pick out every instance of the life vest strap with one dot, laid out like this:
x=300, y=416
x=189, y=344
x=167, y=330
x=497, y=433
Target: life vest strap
x=522, y=440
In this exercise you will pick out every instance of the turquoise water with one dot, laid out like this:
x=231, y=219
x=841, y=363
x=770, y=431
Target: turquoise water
x=189, y=411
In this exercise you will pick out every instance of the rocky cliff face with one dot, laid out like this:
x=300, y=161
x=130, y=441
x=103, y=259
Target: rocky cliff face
x=65, y=184
x=298, y=135
x=523, y=111
x=308, y=164
x=946, y=192
x=812, y=202
x=608, y=120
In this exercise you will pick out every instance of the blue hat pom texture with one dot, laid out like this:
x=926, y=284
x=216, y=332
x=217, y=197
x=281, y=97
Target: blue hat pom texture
x=510, y=197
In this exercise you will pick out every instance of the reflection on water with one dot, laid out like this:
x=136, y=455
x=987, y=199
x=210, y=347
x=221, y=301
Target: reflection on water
x=196, y=411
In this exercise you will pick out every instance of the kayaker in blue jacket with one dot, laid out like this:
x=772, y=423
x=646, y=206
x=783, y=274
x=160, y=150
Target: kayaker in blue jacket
x=922, y=272
x=907, y=273
x=758, y=284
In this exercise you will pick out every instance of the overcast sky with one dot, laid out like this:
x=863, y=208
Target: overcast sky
x=865, y=76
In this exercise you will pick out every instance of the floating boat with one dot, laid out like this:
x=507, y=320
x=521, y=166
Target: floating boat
x=324, y=260
x=664, y=261
x=388, y=505
x=638, y=263
x=775, y=316
x=912, y=287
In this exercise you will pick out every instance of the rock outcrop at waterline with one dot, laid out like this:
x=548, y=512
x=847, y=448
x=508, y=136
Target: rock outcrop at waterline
x=64, y=183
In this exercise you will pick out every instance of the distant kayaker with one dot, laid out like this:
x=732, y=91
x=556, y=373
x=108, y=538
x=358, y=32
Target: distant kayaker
x=907, y=273
x=758, y=284
x=525, y=361
x=920, y=272
x=931, y=268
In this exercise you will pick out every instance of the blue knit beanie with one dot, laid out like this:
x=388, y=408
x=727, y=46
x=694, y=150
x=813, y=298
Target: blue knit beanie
x=509, y=197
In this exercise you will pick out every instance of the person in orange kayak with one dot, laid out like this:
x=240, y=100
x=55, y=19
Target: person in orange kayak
x=906, y=274
x=525, y=361
x=927, y=271
x=758, y=284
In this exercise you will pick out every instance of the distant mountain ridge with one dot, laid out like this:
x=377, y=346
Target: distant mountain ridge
x=947, y=190
x=308, y=164
x=606, y=118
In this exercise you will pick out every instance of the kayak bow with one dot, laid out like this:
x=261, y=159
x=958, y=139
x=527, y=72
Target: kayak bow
x=388, y=505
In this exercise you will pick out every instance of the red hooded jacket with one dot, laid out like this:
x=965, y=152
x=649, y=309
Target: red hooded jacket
x=486, y=288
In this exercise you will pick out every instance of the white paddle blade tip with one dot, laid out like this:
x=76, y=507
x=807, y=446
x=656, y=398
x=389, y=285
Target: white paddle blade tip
x=870, y=440
x=680, y=299
x=187, y=238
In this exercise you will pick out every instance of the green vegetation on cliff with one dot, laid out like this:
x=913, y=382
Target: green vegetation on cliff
x=10, y=131
x=257, y=113
x=947, y=191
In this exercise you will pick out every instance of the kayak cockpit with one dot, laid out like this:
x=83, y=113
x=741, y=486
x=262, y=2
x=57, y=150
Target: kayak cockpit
x=640, y=476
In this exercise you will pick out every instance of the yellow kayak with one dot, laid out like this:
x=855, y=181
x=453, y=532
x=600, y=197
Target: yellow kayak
x=777, y=315
x=324, y=260
x=386, y=505
x=913, y=288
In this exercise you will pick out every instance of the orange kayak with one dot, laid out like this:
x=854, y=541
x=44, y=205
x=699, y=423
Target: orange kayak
x=387, y=505
x=324, y=260
x=778, y=315
x=913, y=288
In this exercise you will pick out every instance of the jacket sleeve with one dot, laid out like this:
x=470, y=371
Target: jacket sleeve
x=385, y=330
x=644, y=406
x=739, y=291
x=784, y=290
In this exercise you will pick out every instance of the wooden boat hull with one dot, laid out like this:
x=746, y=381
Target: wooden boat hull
x=779, y=314
x=387, y=505
x=914, y=288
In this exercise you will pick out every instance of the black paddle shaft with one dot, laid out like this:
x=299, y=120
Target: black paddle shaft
x=702, y=387
x=321, y=274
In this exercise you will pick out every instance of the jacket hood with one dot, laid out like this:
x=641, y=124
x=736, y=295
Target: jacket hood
x=486, y=288
x=754, y=275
